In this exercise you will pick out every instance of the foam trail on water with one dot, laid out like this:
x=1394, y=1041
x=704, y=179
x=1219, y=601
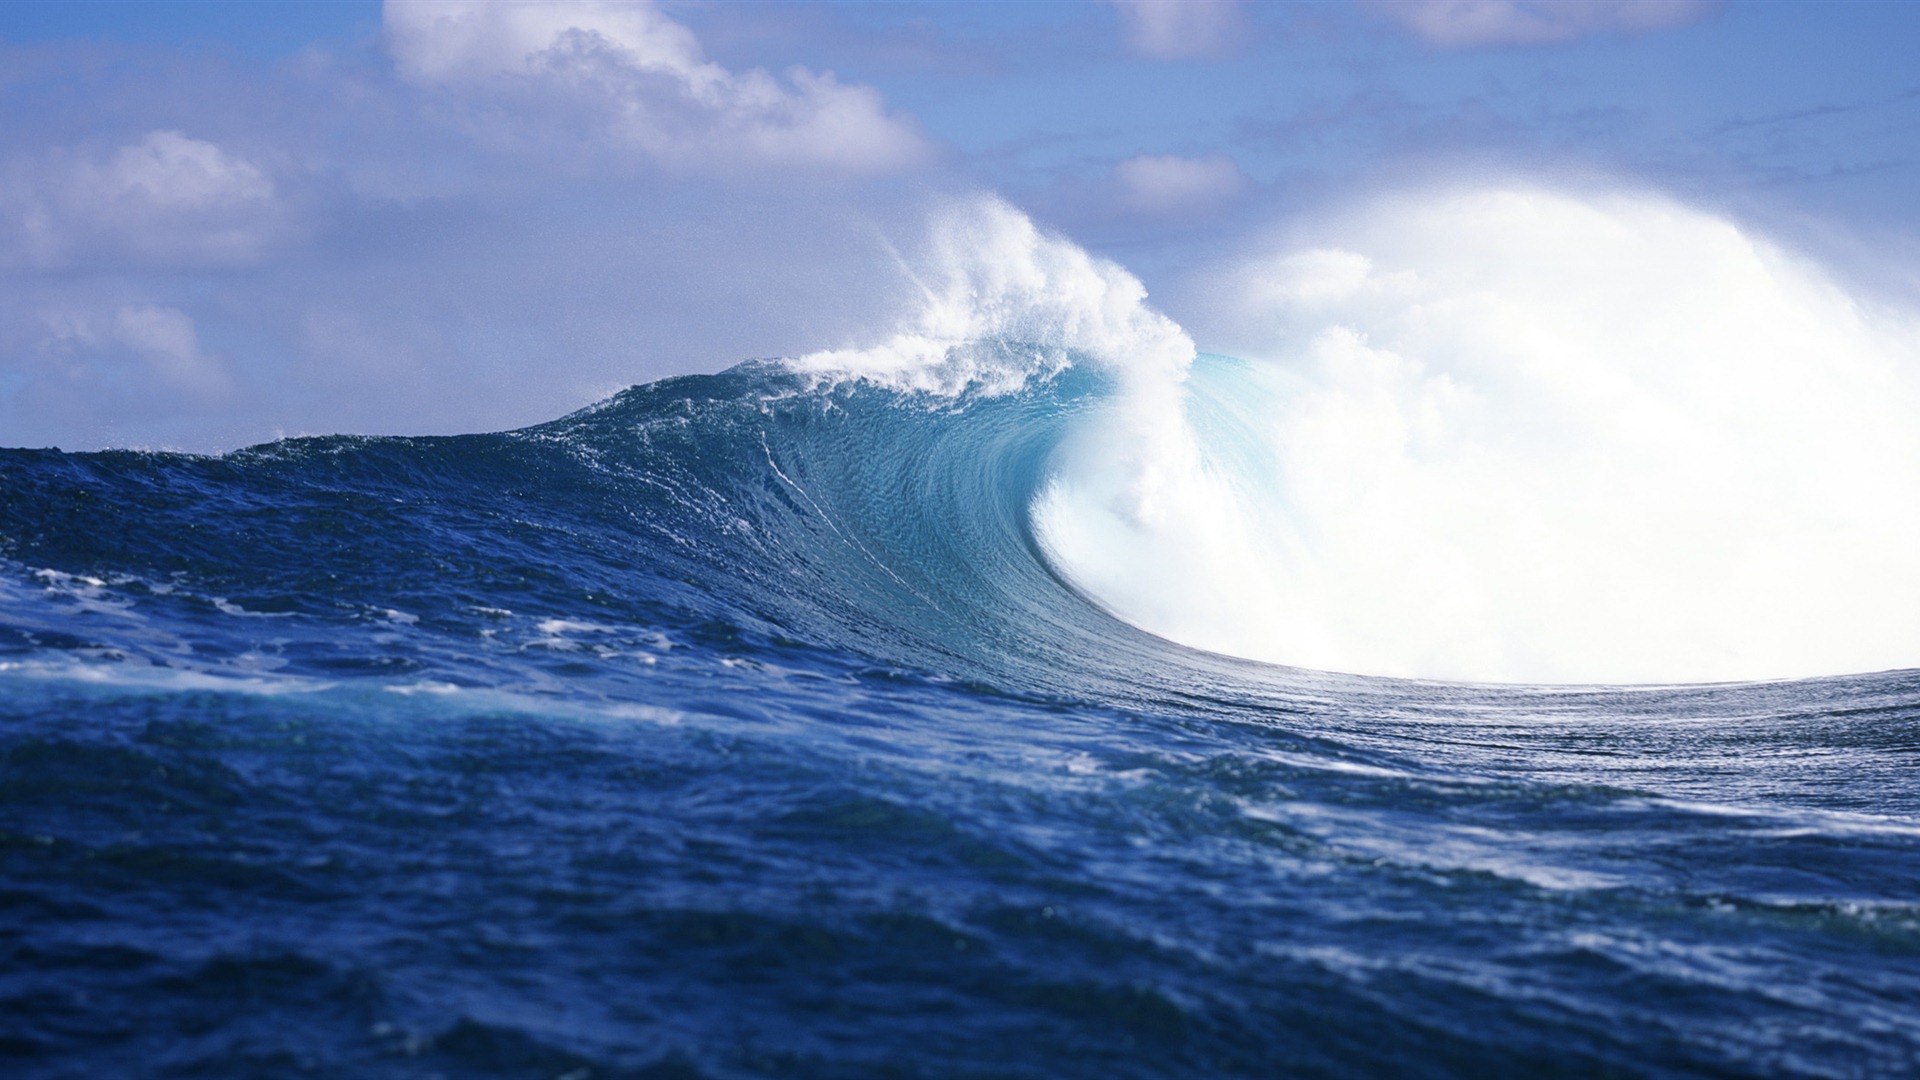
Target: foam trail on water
x=1517, y=435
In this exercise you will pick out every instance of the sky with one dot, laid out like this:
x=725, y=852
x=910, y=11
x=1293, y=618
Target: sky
x=226, y=222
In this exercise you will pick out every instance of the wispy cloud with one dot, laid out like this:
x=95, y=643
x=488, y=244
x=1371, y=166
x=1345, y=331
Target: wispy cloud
x=1456, y=24
x=1166, y=183
x=1179, y=29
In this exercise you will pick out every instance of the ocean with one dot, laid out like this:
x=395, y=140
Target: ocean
x=758, y=725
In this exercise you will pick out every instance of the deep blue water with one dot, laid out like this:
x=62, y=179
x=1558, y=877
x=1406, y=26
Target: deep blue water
x=737, y=727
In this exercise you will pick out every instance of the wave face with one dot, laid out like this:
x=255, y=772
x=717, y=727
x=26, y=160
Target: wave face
x=804, y=720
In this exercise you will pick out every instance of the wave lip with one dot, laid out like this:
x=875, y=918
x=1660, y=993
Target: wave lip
x=1004, y=304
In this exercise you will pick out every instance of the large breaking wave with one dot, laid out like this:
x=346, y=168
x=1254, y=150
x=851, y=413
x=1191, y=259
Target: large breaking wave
x=1505, y=435
x=1489, y=436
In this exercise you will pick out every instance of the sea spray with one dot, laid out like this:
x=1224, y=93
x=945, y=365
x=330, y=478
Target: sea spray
x=1519, y=435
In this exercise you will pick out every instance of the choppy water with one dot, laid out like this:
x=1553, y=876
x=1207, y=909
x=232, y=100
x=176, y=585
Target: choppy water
x=740, y=727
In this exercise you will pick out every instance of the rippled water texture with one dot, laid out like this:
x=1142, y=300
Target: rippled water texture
x=740, y=727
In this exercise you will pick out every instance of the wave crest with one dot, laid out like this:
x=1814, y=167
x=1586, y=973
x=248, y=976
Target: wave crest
x=988, y=278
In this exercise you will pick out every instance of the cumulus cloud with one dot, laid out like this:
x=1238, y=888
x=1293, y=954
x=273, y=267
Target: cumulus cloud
x=1165, y=183
x=148, y=357
x=1452, y=24
x=1178, y=29
x=169, y=170
x=166, y=198
x=642, y=79
x=165, y=340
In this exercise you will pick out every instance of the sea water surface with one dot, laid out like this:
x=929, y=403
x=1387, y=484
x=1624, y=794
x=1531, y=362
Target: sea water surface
x=744, y=726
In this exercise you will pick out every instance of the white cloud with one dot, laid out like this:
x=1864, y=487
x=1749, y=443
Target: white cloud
x=446, y=39
x=1178, y=29
x=169, y=170
x=1470, y=23
x=1170, y=184
x=142, y=350
x=165, y=199
x=165, y=339
x=642, y=78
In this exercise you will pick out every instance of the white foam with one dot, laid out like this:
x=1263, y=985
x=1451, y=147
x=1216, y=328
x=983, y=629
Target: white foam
x=1516, y=435
x=228, y=607
x=137, y=674
x=988, y=274
x=556, y=627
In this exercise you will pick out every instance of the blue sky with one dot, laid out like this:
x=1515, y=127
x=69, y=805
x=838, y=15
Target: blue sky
x=221, y=222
